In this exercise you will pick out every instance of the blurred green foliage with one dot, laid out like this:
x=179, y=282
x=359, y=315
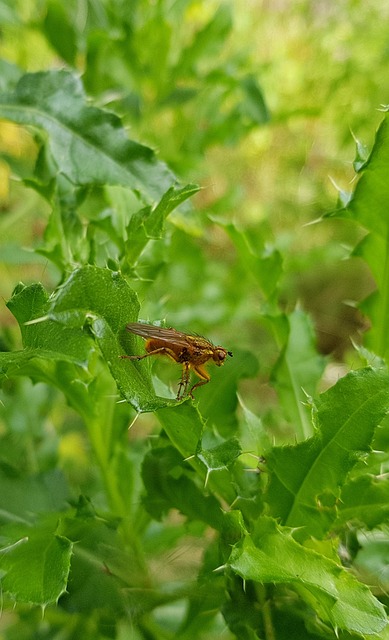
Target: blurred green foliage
x=112, y=114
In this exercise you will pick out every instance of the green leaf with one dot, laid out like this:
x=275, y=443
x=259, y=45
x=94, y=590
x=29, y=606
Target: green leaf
x=148, y=223
x=29, y=303
x=207, y=41
x=371, y=561
x=255, y=437
x=157, y=31
x=9, y=75
x=262, y=261
x=222, y=456
x=271, y=555
x=364, y=500
x=361, y=156
x=297, y=372
x=184, y=426
x=169, y=487
x=23, y=496
x=52, y=353
x=373, y=249
x=88, y=145
x=206, y=599
x=254, y=106
x=368, y=207
x=92, y=302
x=47, y=556
x=65, y=242
x=218, y=400
x=102, y=300
x=305, y=479
x=60, y=31
x=100, y=564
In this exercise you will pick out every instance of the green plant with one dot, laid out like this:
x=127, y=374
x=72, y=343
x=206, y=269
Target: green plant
x=127, y=514
x=272, y=536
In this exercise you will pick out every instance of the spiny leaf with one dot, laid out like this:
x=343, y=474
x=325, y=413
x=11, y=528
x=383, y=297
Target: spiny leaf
x=103, y=300
x=148, y=223
x=184, y=425
x=368, y=207
x=305, y=479
x=221, y=456
x=271, y=555
x=91, y=302
x=297, y=371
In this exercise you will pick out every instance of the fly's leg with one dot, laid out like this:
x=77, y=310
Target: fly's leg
x=202, y=373
x=198, y=384
x=163, y=350
x=183, y=384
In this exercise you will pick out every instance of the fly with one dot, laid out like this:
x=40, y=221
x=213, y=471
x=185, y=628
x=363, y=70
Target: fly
x=191, y=351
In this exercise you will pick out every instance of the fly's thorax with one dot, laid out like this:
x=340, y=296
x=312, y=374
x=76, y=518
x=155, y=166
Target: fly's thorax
x=184, y=354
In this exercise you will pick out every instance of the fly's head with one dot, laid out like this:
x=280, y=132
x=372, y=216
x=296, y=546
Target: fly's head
x=220, y=354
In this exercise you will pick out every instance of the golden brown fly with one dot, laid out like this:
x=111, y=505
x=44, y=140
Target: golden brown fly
x=192, y=351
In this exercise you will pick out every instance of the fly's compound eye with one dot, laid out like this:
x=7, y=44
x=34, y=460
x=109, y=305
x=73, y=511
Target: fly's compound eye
x=220, y=356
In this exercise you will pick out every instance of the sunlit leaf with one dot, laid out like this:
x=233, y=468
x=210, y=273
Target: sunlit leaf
x=271, y=555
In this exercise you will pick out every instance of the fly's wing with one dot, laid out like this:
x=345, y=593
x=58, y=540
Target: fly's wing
x=160, y=333
x=166, y=334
